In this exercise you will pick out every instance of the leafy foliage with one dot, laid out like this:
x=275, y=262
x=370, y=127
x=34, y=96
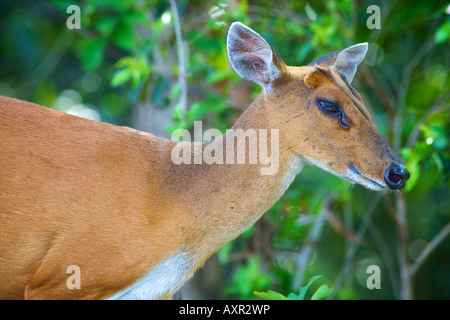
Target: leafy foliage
x=321, y=293
x=125, y=56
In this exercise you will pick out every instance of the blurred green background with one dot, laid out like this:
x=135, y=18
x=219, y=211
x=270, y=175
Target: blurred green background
x=127, y=66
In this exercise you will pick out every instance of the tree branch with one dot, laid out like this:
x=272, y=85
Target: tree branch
x=415, y=133
x=382, y=95
x=402, y=229
x=305, y=253
x=386, y=255
x=429, y=248
x=181, y=45
x=355, y=244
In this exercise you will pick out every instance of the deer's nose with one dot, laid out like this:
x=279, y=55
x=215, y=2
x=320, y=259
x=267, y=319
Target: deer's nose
x=396, y=176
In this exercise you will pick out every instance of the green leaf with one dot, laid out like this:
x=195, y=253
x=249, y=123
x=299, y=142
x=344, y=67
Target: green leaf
x=414, y=170
x=443, y=32
x=134, y=69
x=105, y=25
x=224, y=253
x=321, y=293
x=305, y=49
x=249, y=278
x=219, y=75
x=120, y=6
x=293, y=296
x=270, y=295
x=92, y=54
x=123, y=36
x=112, y=104
x=438, y=161
x=176, y=89
x=303, y=289
x=45, y=94
x=120, y=77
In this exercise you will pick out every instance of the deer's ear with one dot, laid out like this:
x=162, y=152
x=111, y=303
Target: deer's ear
x=347, y=60
x=251, y=56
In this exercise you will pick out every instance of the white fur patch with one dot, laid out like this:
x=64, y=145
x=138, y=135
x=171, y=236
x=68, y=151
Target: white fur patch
x=353, y=177
x=294, y=168
x=366, y=181
x=162, y=279
x=323, y=167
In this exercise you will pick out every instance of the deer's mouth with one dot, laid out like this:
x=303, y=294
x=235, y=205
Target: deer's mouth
x=358, y=177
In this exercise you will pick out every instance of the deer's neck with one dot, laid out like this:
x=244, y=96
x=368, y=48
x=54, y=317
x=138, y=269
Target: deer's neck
x=202, y=206
x=229, y=197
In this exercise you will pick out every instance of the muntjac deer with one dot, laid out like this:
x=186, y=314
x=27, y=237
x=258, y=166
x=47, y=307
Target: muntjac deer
x=110, y=200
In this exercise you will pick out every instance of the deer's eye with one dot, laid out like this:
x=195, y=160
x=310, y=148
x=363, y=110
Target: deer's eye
x=334, y=110
x=329, y=107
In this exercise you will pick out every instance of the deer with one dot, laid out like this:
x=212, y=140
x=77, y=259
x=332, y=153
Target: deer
x=109, y=199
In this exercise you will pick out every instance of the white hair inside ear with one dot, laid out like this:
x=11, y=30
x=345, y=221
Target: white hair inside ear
x=348, y=60
x=251, y=56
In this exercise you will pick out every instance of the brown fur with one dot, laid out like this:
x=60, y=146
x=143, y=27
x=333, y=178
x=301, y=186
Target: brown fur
x=110, y=200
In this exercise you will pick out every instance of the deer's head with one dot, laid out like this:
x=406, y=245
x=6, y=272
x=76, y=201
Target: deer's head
x=321, y=117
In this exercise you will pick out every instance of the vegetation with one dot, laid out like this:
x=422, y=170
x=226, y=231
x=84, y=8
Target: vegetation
x=157, y=65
